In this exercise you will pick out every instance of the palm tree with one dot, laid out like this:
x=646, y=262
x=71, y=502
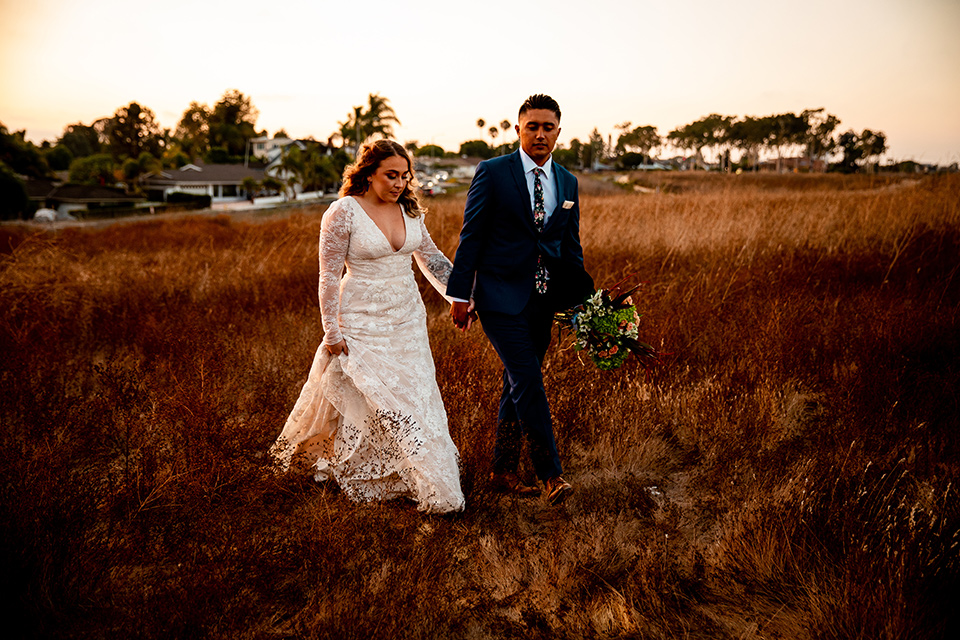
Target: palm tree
x=291, y=168
x=292, y=183
x=271, y=184
x=377, y=119
x=505, y=125
x=481, y=123
x=494, y=132
x=250, y=185
x=351, y=131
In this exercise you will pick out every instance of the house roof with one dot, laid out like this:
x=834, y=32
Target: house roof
x=84, y=193
x=38, y=189
x=43, y=190
x=200, y=173
x=303, y=142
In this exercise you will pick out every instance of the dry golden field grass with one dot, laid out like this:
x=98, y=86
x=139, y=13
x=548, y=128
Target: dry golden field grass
x=791, y=471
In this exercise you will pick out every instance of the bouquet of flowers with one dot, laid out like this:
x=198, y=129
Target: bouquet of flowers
x=606, y=326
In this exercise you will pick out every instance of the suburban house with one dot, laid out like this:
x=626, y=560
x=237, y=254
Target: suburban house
x=222, y=182
x=268, y=149
x=273, y=150
x=65, y=198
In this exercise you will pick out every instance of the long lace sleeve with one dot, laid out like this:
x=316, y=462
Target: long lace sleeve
x=434, y=265
x=334, y=242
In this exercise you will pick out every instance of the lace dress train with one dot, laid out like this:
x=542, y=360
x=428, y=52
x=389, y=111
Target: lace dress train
x=374, y=420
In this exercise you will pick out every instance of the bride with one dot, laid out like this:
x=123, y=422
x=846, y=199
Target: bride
x=370, y=414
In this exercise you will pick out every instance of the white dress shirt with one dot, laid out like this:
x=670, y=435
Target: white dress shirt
x=549, y=184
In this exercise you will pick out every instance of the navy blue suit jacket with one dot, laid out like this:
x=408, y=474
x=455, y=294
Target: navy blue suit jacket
x=499, y=242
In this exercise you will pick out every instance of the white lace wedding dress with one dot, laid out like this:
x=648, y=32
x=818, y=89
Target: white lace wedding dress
x=373, y=420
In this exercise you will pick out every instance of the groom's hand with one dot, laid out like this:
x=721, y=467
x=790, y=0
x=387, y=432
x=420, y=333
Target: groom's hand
x=463, y=314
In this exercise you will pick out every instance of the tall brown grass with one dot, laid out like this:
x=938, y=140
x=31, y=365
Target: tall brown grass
x=790, y=472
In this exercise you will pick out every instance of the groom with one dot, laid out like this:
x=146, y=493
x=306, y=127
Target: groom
x=520, y=261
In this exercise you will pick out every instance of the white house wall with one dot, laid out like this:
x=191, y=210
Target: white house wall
x=215, y=191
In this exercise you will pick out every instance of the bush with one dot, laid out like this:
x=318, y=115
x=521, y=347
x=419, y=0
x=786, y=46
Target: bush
x=631, y=160
x=476, y=149
x=566, y=158
x=430, y=151
x=198, y=201
x=13, y=196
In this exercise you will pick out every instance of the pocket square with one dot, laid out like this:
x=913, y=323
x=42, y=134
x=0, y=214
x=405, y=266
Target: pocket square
x=568, y=204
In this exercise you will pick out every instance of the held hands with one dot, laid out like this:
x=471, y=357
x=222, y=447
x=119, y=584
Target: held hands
x=337, y=349
x=463, y=314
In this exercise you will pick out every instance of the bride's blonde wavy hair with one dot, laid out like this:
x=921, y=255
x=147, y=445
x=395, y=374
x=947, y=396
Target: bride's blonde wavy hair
x=356, y=177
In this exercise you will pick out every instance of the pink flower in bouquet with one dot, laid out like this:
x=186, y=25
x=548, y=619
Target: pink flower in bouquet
x=631, y=326
x=613, y=350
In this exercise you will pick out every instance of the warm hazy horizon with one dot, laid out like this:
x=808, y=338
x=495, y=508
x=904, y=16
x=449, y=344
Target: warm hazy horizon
x=887, y=65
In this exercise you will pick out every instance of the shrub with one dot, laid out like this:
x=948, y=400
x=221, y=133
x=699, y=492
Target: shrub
x=195, y=201
x=13, y=196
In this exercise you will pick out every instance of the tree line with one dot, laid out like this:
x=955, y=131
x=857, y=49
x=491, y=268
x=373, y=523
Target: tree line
x=130, y=144
x=812, y=133
x=734, y=142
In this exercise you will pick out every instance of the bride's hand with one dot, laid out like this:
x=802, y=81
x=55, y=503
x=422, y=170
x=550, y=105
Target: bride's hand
x=337, y=349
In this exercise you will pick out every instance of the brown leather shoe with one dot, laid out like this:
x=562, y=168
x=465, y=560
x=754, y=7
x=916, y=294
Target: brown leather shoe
x=509, y=482
x=558, y=490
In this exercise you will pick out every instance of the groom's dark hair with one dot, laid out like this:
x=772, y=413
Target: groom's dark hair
x=539, y=101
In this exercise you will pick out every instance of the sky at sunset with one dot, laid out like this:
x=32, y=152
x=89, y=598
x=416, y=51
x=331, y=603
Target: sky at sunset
x=888, y=65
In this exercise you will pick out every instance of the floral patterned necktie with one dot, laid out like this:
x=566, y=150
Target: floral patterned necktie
x=539, y=215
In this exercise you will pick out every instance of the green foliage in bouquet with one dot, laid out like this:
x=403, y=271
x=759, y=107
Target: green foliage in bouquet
x=606, y=325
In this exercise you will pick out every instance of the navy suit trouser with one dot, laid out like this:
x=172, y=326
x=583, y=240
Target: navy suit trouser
x=521, y=341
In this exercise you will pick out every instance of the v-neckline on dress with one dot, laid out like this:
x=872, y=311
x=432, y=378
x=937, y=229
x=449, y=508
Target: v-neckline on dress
x=403, y=217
